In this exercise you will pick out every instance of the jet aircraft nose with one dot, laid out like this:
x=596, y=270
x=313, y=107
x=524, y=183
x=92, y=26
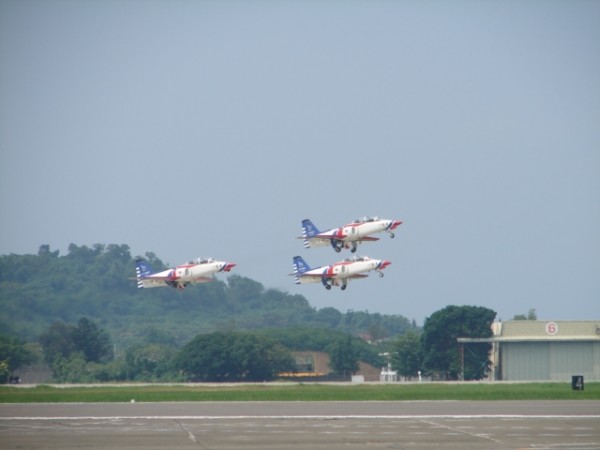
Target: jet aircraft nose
x=384, y=263
x=228, y=267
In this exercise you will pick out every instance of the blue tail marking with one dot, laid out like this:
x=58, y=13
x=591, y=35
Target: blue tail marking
x=308, y=230
x=142, y=270
x=300, y=267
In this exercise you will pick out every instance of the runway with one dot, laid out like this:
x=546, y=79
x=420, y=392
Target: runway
x=303, y=425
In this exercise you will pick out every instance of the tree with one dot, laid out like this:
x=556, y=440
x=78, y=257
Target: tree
x=4, y=371
x=97, y=281
x=57, y=341
x=44, y=252
x=61, y=340
x=72, y=369
x=531, y=315
x=406, y=354
x=329, y=316
x=92, y=342
x=148, y=362
x=13, y=355
x=439, y=341
x=343, y=356
x=233, y=357
x=320, y=340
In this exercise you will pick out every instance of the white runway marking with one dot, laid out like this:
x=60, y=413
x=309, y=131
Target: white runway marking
x=190, y=434
x=316, y=417
x=461, y=430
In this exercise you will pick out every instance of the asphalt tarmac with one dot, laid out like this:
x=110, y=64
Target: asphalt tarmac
x=552, y=425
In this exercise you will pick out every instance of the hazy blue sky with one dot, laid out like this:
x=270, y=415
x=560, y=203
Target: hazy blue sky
x=212, y=128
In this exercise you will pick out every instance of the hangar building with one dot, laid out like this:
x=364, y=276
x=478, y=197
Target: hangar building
x=525, y=350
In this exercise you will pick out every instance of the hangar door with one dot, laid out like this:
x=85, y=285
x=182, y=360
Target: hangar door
x=555, y=361
x=524, y=361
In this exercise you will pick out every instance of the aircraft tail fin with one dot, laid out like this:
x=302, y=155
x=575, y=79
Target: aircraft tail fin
x=308, y=230
x=142, y=270
x=300, y=267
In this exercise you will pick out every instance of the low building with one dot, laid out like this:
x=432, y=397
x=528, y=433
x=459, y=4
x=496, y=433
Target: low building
x=524, y=350
x=314, y=366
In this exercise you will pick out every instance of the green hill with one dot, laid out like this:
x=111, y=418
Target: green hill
x=95, y=282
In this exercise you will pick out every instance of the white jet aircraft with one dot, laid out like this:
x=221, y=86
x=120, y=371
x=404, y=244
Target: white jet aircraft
x=180, y=276
x=339, y=273
x=347, y=236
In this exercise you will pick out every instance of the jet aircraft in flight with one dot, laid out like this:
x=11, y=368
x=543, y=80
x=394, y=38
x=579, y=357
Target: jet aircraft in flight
x=339, y=273
x=347, y=236
x=179, y=277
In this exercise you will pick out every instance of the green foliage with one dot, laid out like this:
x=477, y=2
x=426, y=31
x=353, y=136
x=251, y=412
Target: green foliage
x=531, y=315
x=68, y=349
x=406, y=354
x=76, y=304
x=61, y=340
x=94, y=343
x=57, y=342
x=302, y=392
x=72, y=369
x=320, y=339
x=13, y=355
x=4, y=371
x=343, y=356
x=98, y=283
x=233, y=357
x=440, y=348
x=151, y=362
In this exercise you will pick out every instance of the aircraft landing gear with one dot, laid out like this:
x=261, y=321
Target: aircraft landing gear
x=392, y=235
x=328, y=287
x=380, y=274
x=337, y=245
x=343, y=287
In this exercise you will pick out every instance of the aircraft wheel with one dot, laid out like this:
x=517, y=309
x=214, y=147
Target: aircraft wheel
x=343, y=287
x=392, y=235
x=380, y=274
x=328, y=287
x=337, y=249
x=353, y=250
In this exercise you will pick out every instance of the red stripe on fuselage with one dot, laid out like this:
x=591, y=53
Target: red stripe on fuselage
x=331, y=269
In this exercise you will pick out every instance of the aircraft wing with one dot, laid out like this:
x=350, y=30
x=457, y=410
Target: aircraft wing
x=317, y=241
x=319, y=277
x=368, y=238
x=156, y=278
x=202, y=279
x=160, y=279
x=324, y=239
x=309, y=278
x=151, y=282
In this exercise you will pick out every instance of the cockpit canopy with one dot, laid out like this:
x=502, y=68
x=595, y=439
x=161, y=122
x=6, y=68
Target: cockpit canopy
x=357, y=259
x=202, y=260
x=366, y=219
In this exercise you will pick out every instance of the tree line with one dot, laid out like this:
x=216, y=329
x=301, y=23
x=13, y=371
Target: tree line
x=83, y=315
x=435, y=350
x=98, y=282
x=84, y=353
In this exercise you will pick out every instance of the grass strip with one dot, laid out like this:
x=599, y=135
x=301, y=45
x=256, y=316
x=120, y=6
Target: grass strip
x=298, y=392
